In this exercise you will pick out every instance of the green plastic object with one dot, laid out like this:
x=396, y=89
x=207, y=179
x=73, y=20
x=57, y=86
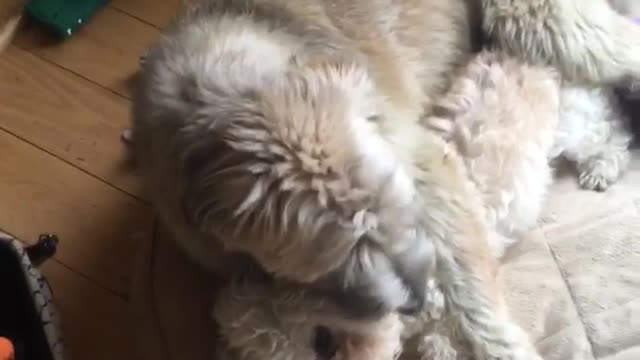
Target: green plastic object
x=63, y=17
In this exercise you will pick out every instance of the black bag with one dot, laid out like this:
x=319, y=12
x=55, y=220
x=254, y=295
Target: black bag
x=28, y=317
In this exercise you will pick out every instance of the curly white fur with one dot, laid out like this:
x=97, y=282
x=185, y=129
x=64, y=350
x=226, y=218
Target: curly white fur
x=508, y=119
x=463, y=297
x=282, y=156
x=313, y=160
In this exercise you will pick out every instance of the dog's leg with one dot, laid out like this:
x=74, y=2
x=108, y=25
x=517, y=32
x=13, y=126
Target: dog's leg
x=594, y=135
x=465, y=265
x=602, y=170
x=479, y=312
x=586, y=40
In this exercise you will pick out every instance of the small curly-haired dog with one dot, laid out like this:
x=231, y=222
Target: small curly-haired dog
x=483, y=169
x=293, y=132
x=258, y=124
x=505, y=120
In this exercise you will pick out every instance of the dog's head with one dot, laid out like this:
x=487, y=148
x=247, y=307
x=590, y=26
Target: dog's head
x=297, y=176
x=292, y=170
x=259, y=322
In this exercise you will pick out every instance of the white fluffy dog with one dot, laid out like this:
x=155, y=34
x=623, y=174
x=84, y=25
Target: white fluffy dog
x=484, y=162
x=505, y=121
x=258, y=125
x=293, y=133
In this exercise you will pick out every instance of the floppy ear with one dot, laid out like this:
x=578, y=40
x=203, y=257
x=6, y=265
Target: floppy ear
x=292, y=235
x=242, y=186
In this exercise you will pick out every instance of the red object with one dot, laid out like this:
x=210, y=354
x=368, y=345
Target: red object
x=6, y=349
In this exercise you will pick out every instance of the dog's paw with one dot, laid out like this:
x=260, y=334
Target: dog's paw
x=598, y=173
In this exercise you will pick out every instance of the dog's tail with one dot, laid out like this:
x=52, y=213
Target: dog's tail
x=7, y=32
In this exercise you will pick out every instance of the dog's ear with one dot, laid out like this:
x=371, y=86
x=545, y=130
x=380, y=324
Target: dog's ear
x=245, y=182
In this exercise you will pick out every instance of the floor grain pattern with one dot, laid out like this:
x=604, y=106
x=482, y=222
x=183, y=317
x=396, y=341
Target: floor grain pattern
x=63, y=106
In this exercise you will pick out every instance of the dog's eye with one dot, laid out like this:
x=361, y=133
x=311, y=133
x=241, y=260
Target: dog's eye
x=324, y=343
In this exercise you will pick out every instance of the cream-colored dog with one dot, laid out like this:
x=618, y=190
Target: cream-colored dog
x=294, y=134
x=259, y=124
x=484, y=167
x=502, y=121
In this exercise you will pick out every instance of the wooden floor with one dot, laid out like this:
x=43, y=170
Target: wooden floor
x=62, y=109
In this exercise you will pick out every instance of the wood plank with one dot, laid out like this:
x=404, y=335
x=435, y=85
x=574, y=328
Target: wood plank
x=156, y=12
x=97, y=224
x=95, y=323
x=105, y=51
x=66, y=115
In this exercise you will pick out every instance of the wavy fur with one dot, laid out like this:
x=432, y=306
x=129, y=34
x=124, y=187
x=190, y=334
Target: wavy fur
x=258, y=125
x=314, y=160
x=484, y=168
x=586, y=40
